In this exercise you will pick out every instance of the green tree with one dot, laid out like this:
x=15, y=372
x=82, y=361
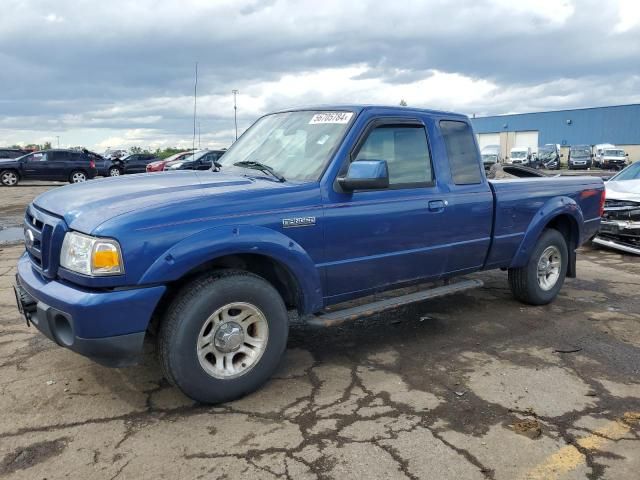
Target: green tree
x=135, y=149
x=45, y=146
x=403, y=102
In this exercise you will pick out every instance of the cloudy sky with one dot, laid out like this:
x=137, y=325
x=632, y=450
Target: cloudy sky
x=120, y=73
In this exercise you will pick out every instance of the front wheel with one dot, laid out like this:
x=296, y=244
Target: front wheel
x=223, y=336
x=114, y=172
x=9, y=178
x=540, y=280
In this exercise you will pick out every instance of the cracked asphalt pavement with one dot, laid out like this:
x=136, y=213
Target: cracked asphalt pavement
x=470, y=386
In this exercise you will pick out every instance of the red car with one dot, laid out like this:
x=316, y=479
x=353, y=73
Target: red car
x=158, y=166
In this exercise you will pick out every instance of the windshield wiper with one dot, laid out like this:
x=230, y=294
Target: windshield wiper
x=260, y=166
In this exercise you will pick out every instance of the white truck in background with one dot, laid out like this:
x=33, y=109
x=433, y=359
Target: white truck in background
x=607, y=155
x=520, y=156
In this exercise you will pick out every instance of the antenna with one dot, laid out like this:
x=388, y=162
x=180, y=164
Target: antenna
x=195, y=103
x=199, y=147
x=235, y=110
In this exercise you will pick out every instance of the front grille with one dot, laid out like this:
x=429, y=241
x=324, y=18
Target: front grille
x=43, y=237
x=621, y=210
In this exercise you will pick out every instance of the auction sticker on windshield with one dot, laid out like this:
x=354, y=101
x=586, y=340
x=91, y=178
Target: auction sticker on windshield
x=331, y=117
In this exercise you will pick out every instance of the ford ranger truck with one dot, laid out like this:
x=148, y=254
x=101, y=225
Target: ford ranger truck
x=309, y=209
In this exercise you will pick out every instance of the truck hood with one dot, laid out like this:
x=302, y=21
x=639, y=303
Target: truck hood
x=84, y=206
x=623, y=190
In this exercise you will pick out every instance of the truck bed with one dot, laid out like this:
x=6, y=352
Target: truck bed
x=524, y=203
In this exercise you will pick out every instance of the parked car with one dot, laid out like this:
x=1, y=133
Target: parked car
x=202, y=160
x=309, y=209
x=522, y=156
x=136, y=163
x=490, y=156
x=158, y=165
x=64, y=165
x=608, y=156
x=620, y=226
x=549, y=156
x=11, y=153
x=579, y=157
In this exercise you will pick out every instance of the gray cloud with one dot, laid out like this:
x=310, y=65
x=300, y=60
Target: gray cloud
x=69, y=65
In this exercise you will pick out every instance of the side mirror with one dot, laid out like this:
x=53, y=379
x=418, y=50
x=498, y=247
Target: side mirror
x=365, y=175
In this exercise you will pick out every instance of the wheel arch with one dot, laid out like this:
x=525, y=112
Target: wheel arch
x=259, y=250
x=562, y=214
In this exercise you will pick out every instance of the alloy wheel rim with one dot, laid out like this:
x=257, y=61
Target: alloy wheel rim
x=232, y=340
x=549, y=268
x=114, y=172
x=9, y=178
x=78, y=177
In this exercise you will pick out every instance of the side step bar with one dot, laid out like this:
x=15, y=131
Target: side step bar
x=338, y=317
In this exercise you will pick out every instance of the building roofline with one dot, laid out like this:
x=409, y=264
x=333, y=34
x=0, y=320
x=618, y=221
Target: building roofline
x=557, y=111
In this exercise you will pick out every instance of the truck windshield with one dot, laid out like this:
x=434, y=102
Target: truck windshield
x=580, y=152
x=295, y=145
x=546, y=153
x=488, y=157
x=518, y=154
x=613, y=153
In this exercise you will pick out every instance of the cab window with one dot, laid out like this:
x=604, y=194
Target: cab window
x=404, y=148
x=462, y=152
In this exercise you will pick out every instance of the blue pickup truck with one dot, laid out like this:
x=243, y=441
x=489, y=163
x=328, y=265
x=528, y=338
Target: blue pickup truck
x=309, y=209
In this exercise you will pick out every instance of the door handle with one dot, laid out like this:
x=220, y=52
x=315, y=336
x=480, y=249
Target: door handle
x=437, y=205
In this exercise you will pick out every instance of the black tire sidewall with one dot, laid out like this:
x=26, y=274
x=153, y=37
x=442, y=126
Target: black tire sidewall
x=186, y=370
x=536, y=293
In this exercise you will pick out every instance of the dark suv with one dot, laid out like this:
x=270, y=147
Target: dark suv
x=136, y=163
x=66, y=165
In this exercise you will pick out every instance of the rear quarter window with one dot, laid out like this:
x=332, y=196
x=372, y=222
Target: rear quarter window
x=462, y=152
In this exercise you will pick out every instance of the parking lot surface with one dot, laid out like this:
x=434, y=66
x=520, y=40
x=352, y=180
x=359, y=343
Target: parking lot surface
x=470, y=386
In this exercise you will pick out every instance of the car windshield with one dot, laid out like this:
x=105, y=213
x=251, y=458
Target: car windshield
x=518, y=154
x=614, y=153
x=488, y=157
x=296, y=145
x=546, y=153
x=632, y=172
x=580, y=152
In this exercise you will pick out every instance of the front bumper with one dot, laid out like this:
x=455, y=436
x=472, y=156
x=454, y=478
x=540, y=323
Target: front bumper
x=107, y=326
x=623, y=235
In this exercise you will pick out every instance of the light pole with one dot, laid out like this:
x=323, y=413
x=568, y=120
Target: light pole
x=235, y=110
x=58, y=138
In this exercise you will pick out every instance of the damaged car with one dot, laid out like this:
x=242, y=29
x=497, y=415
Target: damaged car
x=620, y=225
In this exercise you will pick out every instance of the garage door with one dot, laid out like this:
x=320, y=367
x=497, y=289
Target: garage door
x=527, y=139
x=485, y=139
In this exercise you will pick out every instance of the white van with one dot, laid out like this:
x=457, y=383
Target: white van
x=607, y=155
x=520, y=156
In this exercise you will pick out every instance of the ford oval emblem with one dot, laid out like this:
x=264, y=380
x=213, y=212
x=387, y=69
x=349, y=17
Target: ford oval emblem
x=28, y=238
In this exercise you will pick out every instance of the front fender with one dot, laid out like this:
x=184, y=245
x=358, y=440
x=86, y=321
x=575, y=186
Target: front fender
x=216, y=242
x=550, y=210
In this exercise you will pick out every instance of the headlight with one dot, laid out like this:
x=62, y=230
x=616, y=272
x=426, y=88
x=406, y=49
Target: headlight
x=90, y=255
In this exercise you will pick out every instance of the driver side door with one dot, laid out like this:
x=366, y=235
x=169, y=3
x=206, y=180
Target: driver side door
x=378, y=238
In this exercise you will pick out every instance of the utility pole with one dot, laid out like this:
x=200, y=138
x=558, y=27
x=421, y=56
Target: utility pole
x=199, y=147
x=195, y=103
x=58, y=139
x=235, y=110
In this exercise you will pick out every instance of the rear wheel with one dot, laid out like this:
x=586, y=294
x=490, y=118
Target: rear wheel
x=223, y=336
x=540, y=280
x=114, y=172
x=77, y=176
x=9, y=178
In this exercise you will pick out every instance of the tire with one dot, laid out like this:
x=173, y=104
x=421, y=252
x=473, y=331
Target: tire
x=192, y=320
x=9, y=178
x=525, y=283
x=114, y=172
x=77, y=176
